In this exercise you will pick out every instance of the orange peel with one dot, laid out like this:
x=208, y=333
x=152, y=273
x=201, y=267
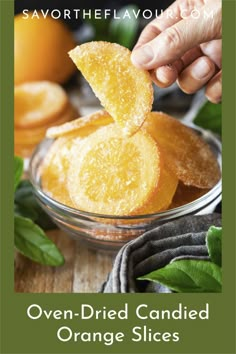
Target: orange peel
x=124, y=91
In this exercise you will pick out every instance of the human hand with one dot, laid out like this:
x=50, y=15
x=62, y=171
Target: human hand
x=179, y=45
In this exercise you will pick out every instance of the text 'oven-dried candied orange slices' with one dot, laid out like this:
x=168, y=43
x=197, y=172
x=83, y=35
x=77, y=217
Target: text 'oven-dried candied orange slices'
x=185, y=153
x=125, y=91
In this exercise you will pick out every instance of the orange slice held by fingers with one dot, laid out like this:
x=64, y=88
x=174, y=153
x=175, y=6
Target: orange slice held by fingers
x=111, y=174
x=186, y=154
x=125, y=91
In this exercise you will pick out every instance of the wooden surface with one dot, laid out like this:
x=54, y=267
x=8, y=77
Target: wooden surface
x=84, y=270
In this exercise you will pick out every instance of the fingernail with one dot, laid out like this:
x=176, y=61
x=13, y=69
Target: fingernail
x=165, y=74
x=201, y=69
x=142, y=55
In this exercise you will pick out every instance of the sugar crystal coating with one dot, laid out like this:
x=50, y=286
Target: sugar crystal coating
x=161, y=200
x=37, y=103
x=186, y=154
x=125, y=91
x=96, y=119
x=113, y=175
x=54, y=169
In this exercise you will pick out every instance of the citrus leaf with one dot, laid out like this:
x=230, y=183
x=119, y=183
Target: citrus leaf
x=27, y=206
x=213, y=241
x=32, y=242
x=123, y=30
x=209, y=117
x=188, y=276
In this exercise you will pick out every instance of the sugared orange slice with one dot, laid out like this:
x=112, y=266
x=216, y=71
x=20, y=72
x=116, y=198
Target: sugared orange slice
x=161, y=200
x=125, y=91
x=38, y=103
x=97, y=119
x=55, y=168
x=185, y=153
x=111, y=174
x=35, y=135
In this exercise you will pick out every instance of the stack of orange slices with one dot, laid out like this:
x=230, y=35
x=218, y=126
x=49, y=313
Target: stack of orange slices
x=130, y=161
x=38, y=105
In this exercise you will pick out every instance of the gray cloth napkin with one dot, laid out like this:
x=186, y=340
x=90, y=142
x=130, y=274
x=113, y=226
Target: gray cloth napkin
x=182, y=238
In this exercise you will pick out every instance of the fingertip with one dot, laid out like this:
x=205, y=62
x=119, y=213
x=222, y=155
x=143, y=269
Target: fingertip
x=214, y=89
x=142, y=56
x=215, y=100
x=196, y=75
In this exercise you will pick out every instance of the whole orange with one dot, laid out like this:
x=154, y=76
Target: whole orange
x=41, y=50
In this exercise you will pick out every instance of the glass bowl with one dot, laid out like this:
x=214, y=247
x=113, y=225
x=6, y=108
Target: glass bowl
x=107, y=232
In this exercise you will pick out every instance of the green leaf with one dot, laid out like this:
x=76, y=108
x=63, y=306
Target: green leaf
x=20, y=210
x=209, y=117
x=188, y=276
x=213, y=241
x=26, y=205
x=19, y=165
x=32, y=242
x=124, y=30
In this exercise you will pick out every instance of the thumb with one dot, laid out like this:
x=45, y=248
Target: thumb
x=176, y=40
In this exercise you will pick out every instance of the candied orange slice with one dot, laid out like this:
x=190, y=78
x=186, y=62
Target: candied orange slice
x=125, y=91
x=23, y=150
x=55, y=168
x=35, y=135
x=161, y=200
x=97, y=119
x=185, y=153
x=111, y=174
x=37, y=103
x=186, y=194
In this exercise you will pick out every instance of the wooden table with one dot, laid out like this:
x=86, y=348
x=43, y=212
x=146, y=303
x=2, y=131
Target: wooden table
x=84, y=270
